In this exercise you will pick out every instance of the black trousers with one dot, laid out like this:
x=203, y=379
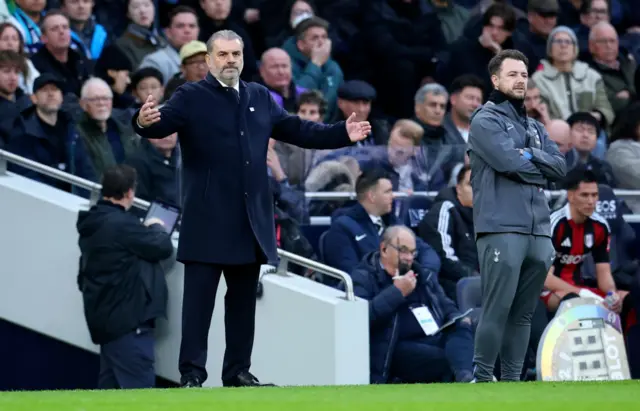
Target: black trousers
x=200, y=286
x=128, y=361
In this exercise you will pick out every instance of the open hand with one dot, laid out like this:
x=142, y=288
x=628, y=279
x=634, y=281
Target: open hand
x=149, y=114
x=357, y=130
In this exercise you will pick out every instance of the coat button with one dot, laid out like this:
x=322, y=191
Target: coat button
x=242, y=133
x=246, y=194
x=246, y=163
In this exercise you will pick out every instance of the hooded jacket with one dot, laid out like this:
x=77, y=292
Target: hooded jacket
x=120, y=277
x=508, y=195
x=448, y=228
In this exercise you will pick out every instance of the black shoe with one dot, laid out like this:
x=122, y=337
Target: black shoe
x=245, y=379
x=190, y=381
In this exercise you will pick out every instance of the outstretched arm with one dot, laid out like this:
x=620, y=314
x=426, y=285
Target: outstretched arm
x=153, y=122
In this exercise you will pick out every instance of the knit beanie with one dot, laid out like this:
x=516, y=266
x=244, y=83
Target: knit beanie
x=561, y=29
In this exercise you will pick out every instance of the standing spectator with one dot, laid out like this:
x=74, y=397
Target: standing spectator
x=312, y=66
x=122, y=282
x=45, y=134
x=183, y=28
x=57, y=57
x=142, y=36
x=107, y=136
x=568, y=85
x=533, y=41
x=87, y=35
x=11, y=39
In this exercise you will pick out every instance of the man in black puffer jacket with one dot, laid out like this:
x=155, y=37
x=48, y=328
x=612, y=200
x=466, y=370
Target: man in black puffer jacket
x=448, y=228
x=122, y=282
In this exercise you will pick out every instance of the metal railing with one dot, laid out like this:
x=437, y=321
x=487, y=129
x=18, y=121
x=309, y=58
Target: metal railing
x=94, y=189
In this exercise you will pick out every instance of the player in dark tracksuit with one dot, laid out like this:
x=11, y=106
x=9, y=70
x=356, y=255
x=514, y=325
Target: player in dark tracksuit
x=512, y=158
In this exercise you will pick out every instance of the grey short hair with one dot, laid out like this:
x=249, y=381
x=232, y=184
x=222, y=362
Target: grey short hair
x=431, y=88
x=392, y=232
x=596, y=28
x=94, y=81
x=224, y=35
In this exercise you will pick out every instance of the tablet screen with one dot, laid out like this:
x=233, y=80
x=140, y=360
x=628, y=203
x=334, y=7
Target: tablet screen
x=167, y=213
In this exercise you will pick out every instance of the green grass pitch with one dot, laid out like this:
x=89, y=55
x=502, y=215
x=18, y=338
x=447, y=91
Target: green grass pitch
x=584, y=396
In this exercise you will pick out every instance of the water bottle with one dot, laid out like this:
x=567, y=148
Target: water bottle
x=610, y=299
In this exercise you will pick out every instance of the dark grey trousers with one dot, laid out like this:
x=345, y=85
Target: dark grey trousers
x=513, y=268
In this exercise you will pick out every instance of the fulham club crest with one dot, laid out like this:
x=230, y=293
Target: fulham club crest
x=588, y=240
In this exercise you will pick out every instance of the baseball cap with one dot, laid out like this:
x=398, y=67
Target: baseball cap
x=191, y=49
x=544, y=6
x=45, y=79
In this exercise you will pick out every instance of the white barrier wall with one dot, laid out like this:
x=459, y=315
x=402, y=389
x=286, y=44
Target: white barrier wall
x=306, y=333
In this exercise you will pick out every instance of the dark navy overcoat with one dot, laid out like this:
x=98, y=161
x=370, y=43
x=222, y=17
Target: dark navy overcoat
x=227, y=204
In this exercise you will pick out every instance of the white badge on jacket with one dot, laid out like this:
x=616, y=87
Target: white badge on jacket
x=425, y=319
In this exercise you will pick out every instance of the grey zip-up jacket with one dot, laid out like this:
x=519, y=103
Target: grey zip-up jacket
x=508, y=188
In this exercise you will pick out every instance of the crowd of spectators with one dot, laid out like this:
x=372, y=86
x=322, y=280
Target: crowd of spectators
x=73, y=72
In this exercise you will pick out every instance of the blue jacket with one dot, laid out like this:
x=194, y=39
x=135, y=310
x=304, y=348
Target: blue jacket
x=228, y=204
x=65, y=152
x=371, y=283
x=352, y=235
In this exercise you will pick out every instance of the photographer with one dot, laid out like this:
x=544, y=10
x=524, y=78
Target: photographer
x=122, y=281
x=407, y=308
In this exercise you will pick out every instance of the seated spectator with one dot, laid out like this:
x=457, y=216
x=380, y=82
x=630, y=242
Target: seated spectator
x=296, y=161
x=630, y=38
x=87, y=35
x=403, y=40
x=408, y=168
x=564, y=72
x=560, y=132
x=448, y=228
x=287, y=198
x=183, y=28
x=356, y=96
x=616, y=67
x=592, y=12
x=193, y=67
x=356, y=230
x=12, y=99
x=578, y=231
x=29, y=15
x=122, y=281
x=11, y=39
x=584, y=135
x=114, y=68
x=106, y=134
x=156, y=162
x=146, y=82
x=296, y=11
x=533, y=39
x=624, y=154
x=311, y=63
x=406, y=308
x=217, y=17
x=275, y=71
x=46, y=135
x=536, y=108
x=466, y=95
x=57, y=57
x=141, y=37
x=337, y=175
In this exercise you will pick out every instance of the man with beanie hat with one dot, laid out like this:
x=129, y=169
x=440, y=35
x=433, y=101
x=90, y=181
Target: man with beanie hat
x=543, y=17
x=512, y=159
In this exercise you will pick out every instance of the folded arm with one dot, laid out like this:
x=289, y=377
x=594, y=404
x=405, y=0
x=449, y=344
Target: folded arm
x=489, y=141
x=549, y=160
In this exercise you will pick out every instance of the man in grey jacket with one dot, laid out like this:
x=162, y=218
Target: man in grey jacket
x=512, y=158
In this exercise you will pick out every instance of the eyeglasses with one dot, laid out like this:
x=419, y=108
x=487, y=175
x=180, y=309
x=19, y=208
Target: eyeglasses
x=563, y=42
x=404, y=250
x=99, y=99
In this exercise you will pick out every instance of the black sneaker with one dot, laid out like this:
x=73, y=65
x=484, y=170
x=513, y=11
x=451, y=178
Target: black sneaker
x=190, y=381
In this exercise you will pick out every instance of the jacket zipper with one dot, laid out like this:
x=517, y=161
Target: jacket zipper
x=567, y=85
